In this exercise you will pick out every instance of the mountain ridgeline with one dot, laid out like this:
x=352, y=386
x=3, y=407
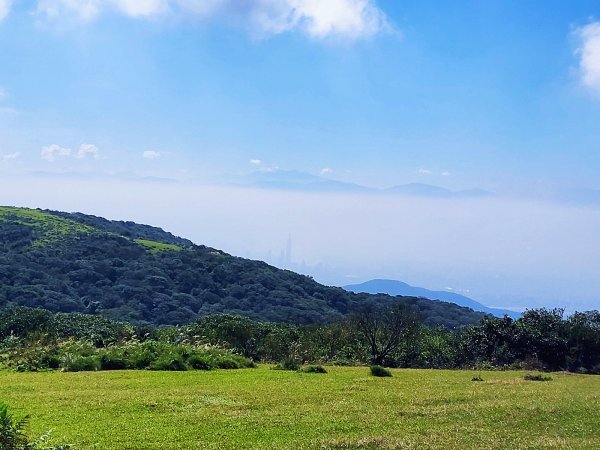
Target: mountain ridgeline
x=72, y=262
x=394, y=287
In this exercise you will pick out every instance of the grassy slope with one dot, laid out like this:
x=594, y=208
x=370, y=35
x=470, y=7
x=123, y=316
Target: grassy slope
x=262, y=408
x=49, y=229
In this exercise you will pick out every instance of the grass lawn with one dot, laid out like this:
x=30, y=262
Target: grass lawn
x=346, y=408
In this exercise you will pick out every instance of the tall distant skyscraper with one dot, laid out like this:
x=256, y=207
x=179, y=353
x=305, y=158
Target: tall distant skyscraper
x=288, y=251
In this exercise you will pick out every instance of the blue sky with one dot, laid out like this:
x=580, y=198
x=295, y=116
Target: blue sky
x=497, y=95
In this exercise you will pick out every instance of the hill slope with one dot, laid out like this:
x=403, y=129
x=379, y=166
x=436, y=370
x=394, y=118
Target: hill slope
x=80, y=263
x=394, y=287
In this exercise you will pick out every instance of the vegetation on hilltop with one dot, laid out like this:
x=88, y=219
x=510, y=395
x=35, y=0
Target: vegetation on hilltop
x=79, y=263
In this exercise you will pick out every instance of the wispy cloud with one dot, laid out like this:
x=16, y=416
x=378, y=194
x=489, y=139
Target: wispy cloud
x=350, y=19
x=9, y=156
x=5, y=6
x=88, y=150
x=255, y=162
x=425, y=172
x=151, y=154
x=589, y=55
x=3, y=92
x=54, y=152
x=326, y=171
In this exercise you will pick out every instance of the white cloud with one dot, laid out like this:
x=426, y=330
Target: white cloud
x=445, y=174
x=589, y=54
x=3, y=92
x=318, y=19
x=255, y=162
x=5, y=6
x=270, y=169
x=326, y=171
x=85, y=9
x=150, y=154
x=425, y=172
x=86, y=150
x=350, y=18
x=142, y=8
x=9, y=156
x=54, y=151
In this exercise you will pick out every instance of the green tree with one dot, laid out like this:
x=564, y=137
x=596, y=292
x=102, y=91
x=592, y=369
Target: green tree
x=383, y=330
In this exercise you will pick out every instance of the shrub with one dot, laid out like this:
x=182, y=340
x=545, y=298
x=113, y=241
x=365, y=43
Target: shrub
x=231, y=361
x=536, y=377
x=169, y=362
x=12, y=433
x=313, y=369
x=110, y=361
x=379, y=371
x=200, y=362
x=477, y=378
x=77, y=363
x=287, y=364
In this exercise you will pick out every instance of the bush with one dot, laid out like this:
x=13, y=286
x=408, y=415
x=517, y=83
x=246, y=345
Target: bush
x=536, y=377
x=110, y=361
x=313, y=369
x=287, y=364
x=78, y=363
x=379, y=371
x=477, y=378
x=169, y=362
x=232, y=361
x=12, y=435
x=200, y=362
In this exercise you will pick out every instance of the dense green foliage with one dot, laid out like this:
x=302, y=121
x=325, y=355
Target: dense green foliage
x=129, y=272
x=274, y=409
x=35, y=339
x=379, y=371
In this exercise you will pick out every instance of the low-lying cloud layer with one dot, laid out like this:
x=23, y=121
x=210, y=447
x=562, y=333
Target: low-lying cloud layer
x=507, y=253
x=348, y=19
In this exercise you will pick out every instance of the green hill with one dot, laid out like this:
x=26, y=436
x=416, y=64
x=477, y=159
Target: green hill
x=80, y=263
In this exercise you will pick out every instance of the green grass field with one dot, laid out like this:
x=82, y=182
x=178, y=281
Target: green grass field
x=346, y=408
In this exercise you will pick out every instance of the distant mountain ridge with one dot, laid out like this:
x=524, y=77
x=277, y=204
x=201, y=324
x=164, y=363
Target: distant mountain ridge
x=73, y=262
x=293, y=180
x=394, y=287
x=427, y=190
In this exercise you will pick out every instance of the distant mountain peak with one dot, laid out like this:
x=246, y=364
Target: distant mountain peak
x=395, y=287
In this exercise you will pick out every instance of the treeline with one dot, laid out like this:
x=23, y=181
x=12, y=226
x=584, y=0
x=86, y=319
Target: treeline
x=394, y=336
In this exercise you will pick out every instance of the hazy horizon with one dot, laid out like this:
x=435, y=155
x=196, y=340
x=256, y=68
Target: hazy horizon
x=491, y=249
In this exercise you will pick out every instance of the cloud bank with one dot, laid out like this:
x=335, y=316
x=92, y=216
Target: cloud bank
x=318, y=19
x=589, y=54
x=508, y=252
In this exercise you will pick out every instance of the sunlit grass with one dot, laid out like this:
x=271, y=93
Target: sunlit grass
x=49, y=228
x=346, y=408
x=156, y=247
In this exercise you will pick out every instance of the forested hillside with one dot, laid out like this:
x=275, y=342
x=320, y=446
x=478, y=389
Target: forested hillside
x=80, y=263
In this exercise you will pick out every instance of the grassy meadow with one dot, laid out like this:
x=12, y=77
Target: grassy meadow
x=345, y=408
